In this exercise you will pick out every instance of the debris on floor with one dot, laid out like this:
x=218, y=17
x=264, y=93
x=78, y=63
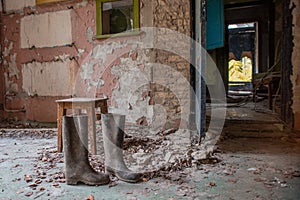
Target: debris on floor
x=237, y=168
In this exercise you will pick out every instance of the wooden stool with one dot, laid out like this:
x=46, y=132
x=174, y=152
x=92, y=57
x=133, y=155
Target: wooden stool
x=88, y=104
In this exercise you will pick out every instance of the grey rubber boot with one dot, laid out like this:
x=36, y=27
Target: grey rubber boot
x=113, y=138
x=75, y=140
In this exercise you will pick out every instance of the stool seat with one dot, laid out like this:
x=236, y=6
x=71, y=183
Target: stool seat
x=81, y=103
x=80, y=100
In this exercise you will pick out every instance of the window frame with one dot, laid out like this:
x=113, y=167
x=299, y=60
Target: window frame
x=136, y=20
x=39, y=2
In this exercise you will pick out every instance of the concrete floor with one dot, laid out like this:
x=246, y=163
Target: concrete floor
x=256, y=168
x=254, y=165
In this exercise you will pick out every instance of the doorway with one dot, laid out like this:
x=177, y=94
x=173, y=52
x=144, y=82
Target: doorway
x=242, y=63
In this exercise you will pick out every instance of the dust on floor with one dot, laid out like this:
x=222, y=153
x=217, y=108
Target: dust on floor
x=240, y=168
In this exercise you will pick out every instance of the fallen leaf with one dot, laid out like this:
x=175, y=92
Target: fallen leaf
x=16, y=179
x=17, y=165
x=232, y=180
x=61, y=180
x=296, y=173
x=28, y=194
x=49, y=180
x=33, y=185
x=44, y=159
x=56, y=185
x=212, y=184
x=27, y=178
x=20, y=191
x=227, y=173
x=259, y=179
x=181, y=193
x=90, y=197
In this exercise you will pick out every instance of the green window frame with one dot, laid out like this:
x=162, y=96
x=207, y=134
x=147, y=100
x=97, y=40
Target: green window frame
x=38, y=2
x=99, y=25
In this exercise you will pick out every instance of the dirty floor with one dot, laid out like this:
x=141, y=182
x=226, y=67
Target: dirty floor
x=251, y=165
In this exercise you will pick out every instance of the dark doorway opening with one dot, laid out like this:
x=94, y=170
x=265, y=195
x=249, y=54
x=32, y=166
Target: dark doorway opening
x=242, y=56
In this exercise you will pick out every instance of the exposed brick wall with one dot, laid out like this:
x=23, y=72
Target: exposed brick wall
x=296, y=64
x=174, y=15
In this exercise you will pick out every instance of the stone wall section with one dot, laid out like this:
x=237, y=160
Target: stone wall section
x=173, y=95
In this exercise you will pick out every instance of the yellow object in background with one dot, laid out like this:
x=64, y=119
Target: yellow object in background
x=240, y=71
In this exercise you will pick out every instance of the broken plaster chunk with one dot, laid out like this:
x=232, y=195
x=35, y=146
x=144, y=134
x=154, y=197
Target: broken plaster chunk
x=142, y=158
x=81, y=51
x=168, y=156
x=199, y=155
x=252, y=169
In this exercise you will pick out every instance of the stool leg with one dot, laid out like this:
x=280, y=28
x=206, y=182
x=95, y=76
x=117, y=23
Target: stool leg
x=60, y=113
x=104, y=108
x=92, y=128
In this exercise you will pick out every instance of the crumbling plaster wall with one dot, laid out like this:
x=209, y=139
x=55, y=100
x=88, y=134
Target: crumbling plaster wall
x=134, y=78
x=42, y=48
x=40, y=68
x=296, y=64
x=174, y=15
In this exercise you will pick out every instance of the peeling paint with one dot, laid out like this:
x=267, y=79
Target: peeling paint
x=63, y=57
x=101, y=52
x=84, y=3
x=10, y=86
x=7, y=50
x=12, y=67
x=89, y=34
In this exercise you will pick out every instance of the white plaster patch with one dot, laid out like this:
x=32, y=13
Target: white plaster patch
x=46, y=30
x=101, y=52
x=84, y=3
x=49, y=78
x=17, y=5
x=128, y=96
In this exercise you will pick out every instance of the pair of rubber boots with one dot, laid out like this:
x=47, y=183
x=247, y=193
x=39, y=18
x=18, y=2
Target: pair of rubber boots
x=75, y=140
